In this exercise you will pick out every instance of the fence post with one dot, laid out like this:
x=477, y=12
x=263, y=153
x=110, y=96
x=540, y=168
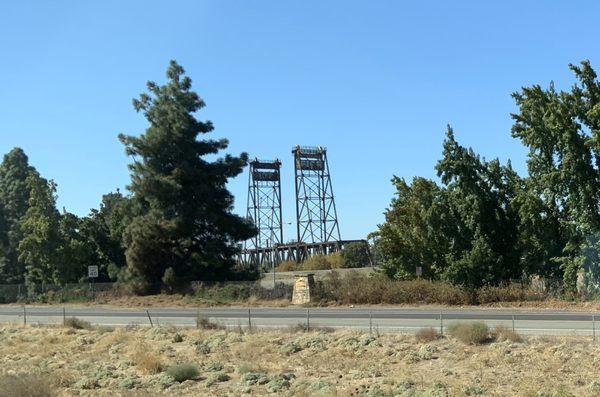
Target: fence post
x=513, y=322
x=370, y=321
x=149, y=318
x=24, y=315
x=594, y=327
x=307, y=319
x=441, y=323
x=249, y=320
x=64, y=316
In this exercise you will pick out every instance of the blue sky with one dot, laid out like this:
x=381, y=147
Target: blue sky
x=374, y=82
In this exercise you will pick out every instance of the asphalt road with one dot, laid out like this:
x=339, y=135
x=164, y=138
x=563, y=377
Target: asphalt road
x=381, y=319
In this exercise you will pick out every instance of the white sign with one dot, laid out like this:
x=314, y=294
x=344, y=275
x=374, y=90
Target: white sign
x=419, y=271
x=92, y=271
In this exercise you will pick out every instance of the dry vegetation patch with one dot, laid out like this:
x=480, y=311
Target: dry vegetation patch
x=65, y=362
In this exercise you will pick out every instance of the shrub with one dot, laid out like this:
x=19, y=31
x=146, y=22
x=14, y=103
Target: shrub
x=217, y=377
x=169, y=280
x=183, y=372
x=287, y=266
x=241, y=291
x=147, y=361
x=336, y=260
x=245, y=368
x=205, y=323
x=177, y=338
x=356, y=254
x=427, y=334
x=356, y=288
x=25, y=386
x=501, y=333
x=508, y=293
x=475, y=333
x=316, y=262
x=77, y=323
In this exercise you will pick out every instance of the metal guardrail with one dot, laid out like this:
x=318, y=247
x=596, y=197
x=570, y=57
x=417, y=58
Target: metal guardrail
x=385, y=320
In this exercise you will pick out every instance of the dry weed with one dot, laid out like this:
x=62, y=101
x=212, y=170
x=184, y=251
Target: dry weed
x=427, y=334
x=77, y=323
x=502, y=333
x=146, y=360
x=475, y=333
x=25, y=386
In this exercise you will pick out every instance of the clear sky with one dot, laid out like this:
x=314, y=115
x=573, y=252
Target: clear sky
x=375, y=82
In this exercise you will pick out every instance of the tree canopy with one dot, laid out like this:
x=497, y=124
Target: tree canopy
x=183, y=218
x=485, y=224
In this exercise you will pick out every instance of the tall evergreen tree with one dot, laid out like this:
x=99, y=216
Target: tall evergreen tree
x=183, y=219
x=3, y=244
x=39, y=247
x=417, y=231
x=14, y=196
x=562, y=132
x=465, y=231
x=480, y=195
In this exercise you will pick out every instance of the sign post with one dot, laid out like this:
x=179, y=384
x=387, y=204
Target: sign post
x=92, y=274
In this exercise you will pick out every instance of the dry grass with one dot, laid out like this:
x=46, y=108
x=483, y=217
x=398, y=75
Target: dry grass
x=427, y=334
x=25, y=385
x=509, y=293
x=475, y=333
x=146, y=360
x=502, y=333
x=343, y=363
x=356, y=288
x=77, y=323
x=205, y=323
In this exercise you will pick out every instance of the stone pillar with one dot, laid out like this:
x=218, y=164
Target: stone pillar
x=303, y=283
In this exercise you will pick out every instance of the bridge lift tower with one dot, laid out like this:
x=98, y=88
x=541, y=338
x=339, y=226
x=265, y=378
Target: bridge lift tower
x=316, y=215
x=264, y=209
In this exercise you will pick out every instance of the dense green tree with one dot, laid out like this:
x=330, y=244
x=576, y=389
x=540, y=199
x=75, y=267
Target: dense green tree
x=14, y=196
x=3, y=244
x=417, y=230
x=104, y=229
x=40, y=245
x=465, y=231
x=562, y=132
x=356, y=254
x=479, y=197
x=183, y=217
x=75, y=250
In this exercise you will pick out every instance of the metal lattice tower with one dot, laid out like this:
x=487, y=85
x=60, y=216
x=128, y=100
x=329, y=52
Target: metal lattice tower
x=264, y=209
x=316, y=216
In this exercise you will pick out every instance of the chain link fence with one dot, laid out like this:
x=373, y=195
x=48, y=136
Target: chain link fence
x=215, y=291
x=52, y=292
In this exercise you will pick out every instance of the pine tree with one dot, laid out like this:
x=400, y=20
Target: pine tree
x=14, y=196
x=183, y=217
x=39, y=247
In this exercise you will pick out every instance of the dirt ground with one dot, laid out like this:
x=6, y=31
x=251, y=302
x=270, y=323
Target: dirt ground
x=136, y=362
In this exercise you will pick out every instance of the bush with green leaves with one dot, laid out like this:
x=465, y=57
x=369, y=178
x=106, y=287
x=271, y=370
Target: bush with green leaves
x=356, y=254
x=183, y=372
